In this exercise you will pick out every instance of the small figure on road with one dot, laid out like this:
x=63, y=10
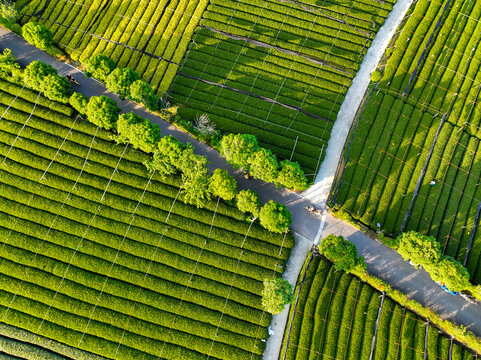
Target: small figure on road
x=71, y=79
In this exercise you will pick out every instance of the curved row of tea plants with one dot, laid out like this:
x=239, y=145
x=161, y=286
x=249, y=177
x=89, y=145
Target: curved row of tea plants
x=336, y=315
x=73, y=263
x=384, y=183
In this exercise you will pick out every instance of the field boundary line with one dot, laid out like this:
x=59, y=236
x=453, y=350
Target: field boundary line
x=471, y=236
x=426, y=341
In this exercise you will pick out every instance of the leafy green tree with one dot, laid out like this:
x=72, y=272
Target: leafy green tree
x=38, y=35
x=9, y=68
x=99, y=66
x=195, y=178
x=56, y=88
x=119, y=81
x=451, y=272
x=342, y=252
x=248, y=201
x=140, y=132
x=277, y=293
x=79, y=102
x=142, y=92
x=35, y=73
x=275, y=217
x=421, y=250
x=167, y=157
x=8, y=13
x=223, y=185
x=264, y=165
x=103, y=112
x=291, y=176
x=376, y=76
x=238, y=149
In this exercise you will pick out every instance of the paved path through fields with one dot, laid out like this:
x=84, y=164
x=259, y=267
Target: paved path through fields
x=381, y=261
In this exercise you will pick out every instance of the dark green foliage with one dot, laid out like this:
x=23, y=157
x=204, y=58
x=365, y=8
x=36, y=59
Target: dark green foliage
x=140, y=132
x=419, y=249
x=79, y=102
x=263, y=165
x=248, y=201
x=342, y=252
x=275, y=217
x=103, y=112
x=376, y=76
x=451, y=272
x=99, y=66
x=38, y=35
x=167, y=157
x=35, y=74
x=142, y=92
x=276, y=295
x=195, y=178
x=120, y=80
x=9, y=68
x=291, y=176
x=56, y=88
x=223, y=185
x=238, y=149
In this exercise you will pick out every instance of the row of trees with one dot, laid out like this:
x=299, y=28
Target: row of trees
x=169, y=156
x=125, y=82
x=425, y=251
x=243, y=150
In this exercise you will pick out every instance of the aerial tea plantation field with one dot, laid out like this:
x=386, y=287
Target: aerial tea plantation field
x=414, y=158
x=277, y=69
x=100, y=255
x=150, y=37
x=336, y=316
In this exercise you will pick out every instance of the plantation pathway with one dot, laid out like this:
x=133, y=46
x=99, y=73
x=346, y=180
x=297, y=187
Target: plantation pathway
x=381, y=261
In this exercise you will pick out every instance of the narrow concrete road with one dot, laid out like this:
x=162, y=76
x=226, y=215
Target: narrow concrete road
x=381, y=261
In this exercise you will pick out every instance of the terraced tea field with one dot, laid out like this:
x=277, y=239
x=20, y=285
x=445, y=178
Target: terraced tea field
x=151, y=37
x=420, y=126
x=100, y=255
x=277, y=69
x=336, y=316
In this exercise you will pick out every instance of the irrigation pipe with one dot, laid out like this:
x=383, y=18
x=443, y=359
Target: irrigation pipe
x=423, y=54
x=421, y=176
x=426, y=341
x=255, y=96
x=9, y=106
x=471, y=236
x=167, y=3
x=313, y=60
x=376, y=326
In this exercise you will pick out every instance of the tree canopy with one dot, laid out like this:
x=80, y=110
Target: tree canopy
x=238, y=149
x=291, y=176
x=451, y=272
x=340, y=251
x=79, y=102
x=140, y=132
x=35, y=73
x=9, y=68
x=275, y=217
x=142, y=92
x=223, y=185
x=56, y=88
x=99, y=66
x=38, y=35
x=195, y=178
x=167, y=157
x=248, y=201
x=419, y=249
x=103, y=111
x=119, y=81
x=277, y=293
x=263, y=165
